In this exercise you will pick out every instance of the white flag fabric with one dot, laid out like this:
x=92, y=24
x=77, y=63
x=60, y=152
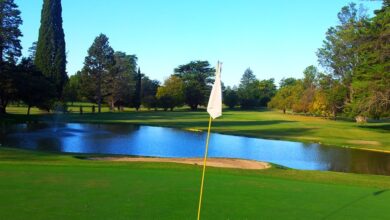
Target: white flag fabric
x=214, y=107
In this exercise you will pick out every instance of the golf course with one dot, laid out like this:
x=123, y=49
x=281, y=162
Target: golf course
x=37, y=184
x=194, y=109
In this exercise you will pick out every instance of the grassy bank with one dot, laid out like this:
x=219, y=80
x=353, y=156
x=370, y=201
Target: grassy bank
x=36, y=185
x=263, y=124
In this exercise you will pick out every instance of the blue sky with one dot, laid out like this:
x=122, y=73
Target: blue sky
x=275, y=38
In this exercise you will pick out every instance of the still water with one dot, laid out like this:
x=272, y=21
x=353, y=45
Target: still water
x=137, y=140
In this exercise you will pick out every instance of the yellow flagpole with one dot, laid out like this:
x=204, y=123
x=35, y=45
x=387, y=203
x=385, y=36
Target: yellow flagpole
x=204, y=168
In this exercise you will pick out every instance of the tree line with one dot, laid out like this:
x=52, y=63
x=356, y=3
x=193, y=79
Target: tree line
x=356, y=58
x=354, y=81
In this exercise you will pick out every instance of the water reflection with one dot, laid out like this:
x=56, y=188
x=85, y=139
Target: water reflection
x=167, y=142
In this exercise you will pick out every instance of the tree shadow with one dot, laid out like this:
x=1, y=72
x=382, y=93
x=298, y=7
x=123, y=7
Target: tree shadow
x=380, y=128
x=277, y=133
x=376, y=193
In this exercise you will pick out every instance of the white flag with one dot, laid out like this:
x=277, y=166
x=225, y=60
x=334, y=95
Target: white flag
x=214, y=108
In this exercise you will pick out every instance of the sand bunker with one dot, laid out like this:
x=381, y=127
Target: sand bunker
x=363, y=142
x=212, y=162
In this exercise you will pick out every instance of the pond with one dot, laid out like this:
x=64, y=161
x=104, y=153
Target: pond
x=138, y=140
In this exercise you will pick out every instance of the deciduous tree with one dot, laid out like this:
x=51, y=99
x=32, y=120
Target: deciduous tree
x=197, y=77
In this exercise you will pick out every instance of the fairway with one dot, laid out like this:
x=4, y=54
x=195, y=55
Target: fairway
x=35, y=185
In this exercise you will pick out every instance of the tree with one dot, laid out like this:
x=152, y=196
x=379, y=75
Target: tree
x=197, y=77
x=310, y=77
x=10, y=50
x=171, y=94
x=120, y=83
x=10, y=20
x=330, y=96
x=8, y=85
x=309, y=85
x=372, y=76
x=50, y=57
x=73, y=88
x=32, y=51
x=230, y=97
x=339, y=52
x=248, y=90
x=97, y=67
x=267, y=90
x=137, y=92
x=33, y=87
x=148, y=92
x=285, y=97
x=287, y=82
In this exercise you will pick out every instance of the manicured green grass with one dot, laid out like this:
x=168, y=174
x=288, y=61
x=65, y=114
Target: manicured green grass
x=36, y=185
x=264, y=124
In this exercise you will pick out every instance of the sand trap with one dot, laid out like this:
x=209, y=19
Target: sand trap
x=212, y=162
x=363, y=142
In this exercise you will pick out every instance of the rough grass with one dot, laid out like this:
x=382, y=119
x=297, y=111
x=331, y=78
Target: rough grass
x=36, y=185
x=263, y=124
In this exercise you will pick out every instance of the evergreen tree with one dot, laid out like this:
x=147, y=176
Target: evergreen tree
x=50, y=55
x=10, y=50
x=97, y=67
x=137, y=92
x=10, y=20
x=371, y=82
x=248, y=90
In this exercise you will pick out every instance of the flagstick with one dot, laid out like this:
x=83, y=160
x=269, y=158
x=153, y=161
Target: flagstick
x=204, y=167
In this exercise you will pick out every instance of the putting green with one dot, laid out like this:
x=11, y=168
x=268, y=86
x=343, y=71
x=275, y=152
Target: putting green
x=36, y=185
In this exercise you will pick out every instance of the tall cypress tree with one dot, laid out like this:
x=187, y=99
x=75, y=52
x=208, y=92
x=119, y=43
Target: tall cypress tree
x=50, y=57
x=137, y=92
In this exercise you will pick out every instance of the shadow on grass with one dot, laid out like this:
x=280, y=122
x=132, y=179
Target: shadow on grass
x=376, y=193
x=380, y=127
x=277, y=133
x=172, y=119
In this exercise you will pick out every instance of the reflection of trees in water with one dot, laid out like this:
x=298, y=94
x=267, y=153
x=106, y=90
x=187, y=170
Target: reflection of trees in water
x=337, y=159
x=353, y=160
x=49, y=144
x=370, y=162
x=3, y=130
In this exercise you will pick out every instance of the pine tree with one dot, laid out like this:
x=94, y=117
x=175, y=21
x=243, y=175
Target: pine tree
x=10, y=50
x=137, y=92
x=50, y=55
x=10, y=20
x=97, y=67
